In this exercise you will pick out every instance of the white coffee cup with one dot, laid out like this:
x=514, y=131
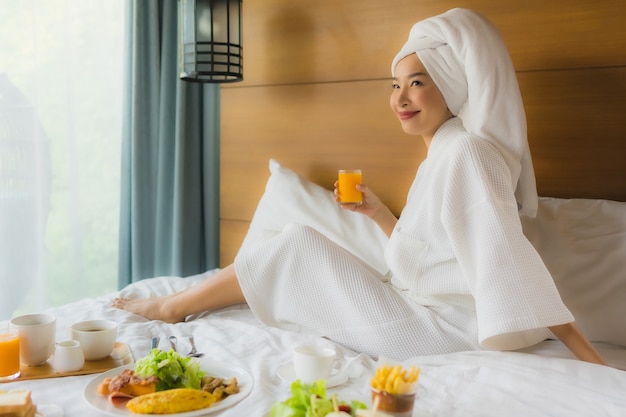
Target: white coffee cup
x=96, y=337
x=68, y=356
x=312, y=362
x=37, y=334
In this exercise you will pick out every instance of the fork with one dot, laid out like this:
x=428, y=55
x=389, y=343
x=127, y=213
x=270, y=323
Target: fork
x=194, y=352
x=173, y=342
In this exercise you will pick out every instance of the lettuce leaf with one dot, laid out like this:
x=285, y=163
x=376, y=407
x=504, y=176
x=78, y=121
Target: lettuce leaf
x=308, y=401
x=174, y=370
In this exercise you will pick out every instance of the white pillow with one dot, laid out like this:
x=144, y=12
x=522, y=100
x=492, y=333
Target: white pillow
x=581, y=241
x=583, y=244
x=289, y=198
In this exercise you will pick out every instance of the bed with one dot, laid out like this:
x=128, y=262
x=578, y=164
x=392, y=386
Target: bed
x=541, y=380
x=305, y=65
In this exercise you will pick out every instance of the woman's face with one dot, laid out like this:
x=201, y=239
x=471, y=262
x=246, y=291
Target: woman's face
x=416, y=100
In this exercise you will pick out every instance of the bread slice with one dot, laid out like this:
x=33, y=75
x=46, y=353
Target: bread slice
x=30, y=412
x=16, y=403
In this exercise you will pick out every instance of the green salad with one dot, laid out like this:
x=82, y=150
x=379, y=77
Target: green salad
x=310, y=401
x=173, y=370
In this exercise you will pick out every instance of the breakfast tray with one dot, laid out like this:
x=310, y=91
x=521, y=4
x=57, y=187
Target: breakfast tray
x=121, y=355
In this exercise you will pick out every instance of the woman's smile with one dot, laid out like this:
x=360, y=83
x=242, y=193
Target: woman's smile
x=406, y=115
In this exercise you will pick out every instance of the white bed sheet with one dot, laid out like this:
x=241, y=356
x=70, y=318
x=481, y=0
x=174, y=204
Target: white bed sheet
x=540, y=381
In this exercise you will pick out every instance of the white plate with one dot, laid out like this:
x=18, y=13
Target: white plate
x=287, y=373
x=49, y=410
x=244, y=379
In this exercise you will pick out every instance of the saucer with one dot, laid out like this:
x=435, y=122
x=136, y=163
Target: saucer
x=287, y=373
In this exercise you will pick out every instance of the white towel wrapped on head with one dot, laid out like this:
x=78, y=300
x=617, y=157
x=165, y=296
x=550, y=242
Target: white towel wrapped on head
x=467, y=59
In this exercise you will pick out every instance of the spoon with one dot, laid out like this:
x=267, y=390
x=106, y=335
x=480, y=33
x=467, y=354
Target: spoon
x=194, y=352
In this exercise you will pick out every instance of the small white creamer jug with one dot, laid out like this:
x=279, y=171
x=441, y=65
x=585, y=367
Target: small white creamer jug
x=68, y=357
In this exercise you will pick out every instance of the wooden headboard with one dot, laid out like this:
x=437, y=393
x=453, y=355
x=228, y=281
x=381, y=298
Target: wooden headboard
x=316, y=91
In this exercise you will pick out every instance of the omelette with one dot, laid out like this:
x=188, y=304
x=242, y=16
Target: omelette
x=171, y=401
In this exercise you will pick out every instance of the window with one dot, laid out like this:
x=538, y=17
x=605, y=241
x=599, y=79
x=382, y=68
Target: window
x=61, y=95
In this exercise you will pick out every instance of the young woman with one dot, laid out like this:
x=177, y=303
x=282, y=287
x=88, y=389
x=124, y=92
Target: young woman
x=462, y=274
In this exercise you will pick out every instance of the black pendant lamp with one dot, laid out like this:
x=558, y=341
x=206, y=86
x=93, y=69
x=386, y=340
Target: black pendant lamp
x=209, y=41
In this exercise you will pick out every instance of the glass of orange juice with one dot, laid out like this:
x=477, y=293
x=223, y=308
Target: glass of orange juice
x=348, y=180
x=9, y=355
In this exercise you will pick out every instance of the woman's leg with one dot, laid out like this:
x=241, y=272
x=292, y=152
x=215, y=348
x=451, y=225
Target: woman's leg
x=217, y=291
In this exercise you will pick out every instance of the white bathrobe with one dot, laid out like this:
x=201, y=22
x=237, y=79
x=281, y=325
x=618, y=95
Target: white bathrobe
x=462, y=274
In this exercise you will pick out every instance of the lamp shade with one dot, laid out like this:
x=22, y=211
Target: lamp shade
x=209, y=41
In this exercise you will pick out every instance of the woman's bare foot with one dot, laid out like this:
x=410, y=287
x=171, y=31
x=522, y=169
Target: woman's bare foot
x=154, y=308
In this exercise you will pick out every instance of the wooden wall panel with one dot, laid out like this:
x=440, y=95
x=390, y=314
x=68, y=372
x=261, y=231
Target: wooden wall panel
x=315, y=97
x=288, y=41
x=232, y=234
x=577, y=131
x=577, y=136
x=314, y=129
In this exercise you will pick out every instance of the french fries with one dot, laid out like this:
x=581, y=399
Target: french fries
x=395, y=380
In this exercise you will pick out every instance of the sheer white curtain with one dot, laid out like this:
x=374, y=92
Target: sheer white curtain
x=61, y=81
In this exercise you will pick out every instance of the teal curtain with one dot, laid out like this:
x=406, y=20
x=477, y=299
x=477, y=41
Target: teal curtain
x=170, y=158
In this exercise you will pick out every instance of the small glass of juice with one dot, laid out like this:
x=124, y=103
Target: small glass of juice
x=348, y=180
x=9, y=355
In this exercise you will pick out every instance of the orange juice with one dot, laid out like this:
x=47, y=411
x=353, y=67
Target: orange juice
x=9, y=356
x=348, y=180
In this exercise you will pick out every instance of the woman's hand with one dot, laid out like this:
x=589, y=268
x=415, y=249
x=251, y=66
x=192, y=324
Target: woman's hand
x=572, y=337
x=372, y=207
